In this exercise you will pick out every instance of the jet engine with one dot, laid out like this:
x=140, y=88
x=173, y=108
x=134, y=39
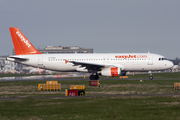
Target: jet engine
x=113, y=71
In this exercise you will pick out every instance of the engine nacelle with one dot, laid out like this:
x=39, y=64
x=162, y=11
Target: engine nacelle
x=113, y=71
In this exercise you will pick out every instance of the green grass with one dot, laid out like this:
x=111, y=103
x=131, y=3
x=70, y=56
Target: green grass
x=109, y=107
x=106, y=108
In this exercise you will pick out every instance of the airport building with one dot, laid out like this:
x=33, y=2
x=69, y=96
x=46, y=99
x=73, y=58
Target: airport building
x=60, y=49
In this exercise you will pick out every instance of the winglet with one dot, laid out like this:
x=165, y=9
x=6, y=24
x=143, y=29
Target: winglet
x=22, y=45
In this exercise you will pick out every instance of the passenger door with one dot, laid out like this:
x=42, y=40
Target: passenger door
x=150, y=59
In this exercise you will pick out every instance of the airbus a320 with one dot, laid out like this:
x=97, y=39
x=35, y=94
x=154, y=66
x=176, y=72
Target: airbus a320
x=101, y=64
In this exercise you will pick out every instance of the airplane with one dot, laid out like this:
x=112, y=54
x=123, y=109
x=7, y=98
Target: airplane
x=98, y=64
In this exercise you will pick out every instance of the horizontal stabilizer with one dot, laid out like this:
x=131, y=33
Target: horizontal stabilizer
x=17, y=59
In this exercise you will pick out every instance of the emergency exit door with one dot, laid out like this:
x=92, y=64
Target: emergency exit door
x=40, y=61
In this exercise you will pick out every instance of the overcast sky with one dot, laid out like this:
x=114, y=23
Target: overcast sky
x=107, y=26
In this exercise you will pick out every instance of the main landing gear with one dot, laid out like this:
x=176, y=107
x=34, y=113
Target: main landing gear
x=94, y=77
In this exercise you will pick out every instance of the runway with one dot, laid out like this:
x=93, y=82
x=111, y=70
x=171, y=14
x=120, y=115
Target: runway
x=44, y=78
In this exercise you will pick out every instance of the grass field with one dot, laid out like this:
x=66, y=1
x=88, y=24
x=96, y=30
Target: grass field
x=102, y=103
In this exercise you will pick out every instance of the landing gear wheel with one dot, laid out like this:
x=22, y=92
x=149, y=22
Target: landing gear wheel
x=91, y=77
x=96, y=77
x=150, y=77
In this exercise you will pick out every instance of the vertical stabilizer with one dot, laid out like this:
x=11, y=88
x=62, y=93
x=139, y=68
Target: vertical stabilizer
x=22, y=45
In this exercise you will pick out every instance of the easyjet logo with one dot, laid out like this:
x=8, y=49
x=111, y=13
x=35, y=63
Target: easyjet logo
x=131, y=56
x=66, y=61
x=23, y=39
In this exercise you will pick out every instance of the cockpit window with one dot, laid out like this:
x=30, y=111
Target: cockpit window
x=160, y=59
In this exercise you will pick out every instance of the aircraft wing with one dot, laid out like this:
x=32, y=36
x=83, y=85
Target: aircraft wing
x=90, y=66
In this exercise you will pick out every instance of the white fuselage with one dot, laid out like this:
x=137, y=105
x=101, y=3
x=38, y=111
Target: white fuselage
x=125, y=61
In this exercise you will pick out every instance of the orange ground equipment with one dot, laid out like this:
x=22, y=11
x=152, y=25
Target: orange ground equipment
x=77, y=87
x=49, y=86
x=123, y=77
x=177, y=86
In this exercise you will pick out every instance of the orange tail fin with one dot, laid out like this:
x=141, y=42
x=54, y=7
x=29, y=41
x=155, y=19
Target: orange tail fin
x=22, y=45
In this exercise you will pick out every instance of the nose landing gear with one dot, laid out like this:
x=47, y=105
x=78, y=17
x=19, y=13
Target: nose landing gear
x=150, y=75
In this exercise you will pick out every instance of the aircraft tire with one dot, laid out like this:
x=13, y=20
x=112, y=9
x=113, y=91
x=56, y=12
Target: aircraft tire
x=91, y=77
x=96, y=77
x=150, y=77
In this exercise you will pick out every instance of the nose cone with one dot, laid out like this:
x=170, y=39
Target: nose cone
x=169, y=64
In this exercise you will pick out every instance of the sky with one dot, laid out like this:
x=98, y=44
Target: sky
x=107, y=26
